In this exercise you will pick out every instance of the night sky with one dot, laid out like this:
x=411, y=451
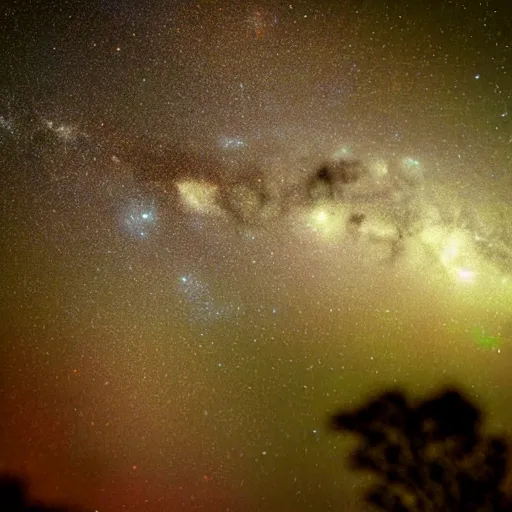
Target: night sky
x=221, y=221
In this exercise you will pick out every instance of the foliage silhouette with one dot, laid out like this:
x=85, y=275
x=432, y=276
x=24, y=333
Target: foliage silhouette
x=14, y=497
x=427, y=457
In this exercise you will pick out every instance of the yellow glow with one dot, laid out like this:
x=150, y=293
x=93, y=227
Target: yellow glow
x=320, y=217
x=327, y=221
x=466, y=275
x=449, y=252
x=199, y=196
x=455, y=251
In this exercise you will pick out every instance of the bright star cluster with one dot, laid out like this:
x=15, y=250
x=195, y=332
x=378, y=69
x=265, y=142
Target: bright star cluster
x=204, y=307
x=139, y=218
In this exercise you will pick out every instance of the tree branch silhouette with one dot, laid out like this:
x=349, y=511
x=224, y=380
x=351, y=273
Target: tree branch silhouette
x=427, y=457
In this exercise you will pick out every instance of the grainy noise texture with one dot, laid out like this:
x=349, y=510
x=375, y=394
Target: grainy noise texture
x=220, y=219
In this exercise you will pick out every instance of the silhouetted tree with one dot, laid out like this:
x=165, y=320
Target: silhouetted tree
x=427, y=457
x=14, y=497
